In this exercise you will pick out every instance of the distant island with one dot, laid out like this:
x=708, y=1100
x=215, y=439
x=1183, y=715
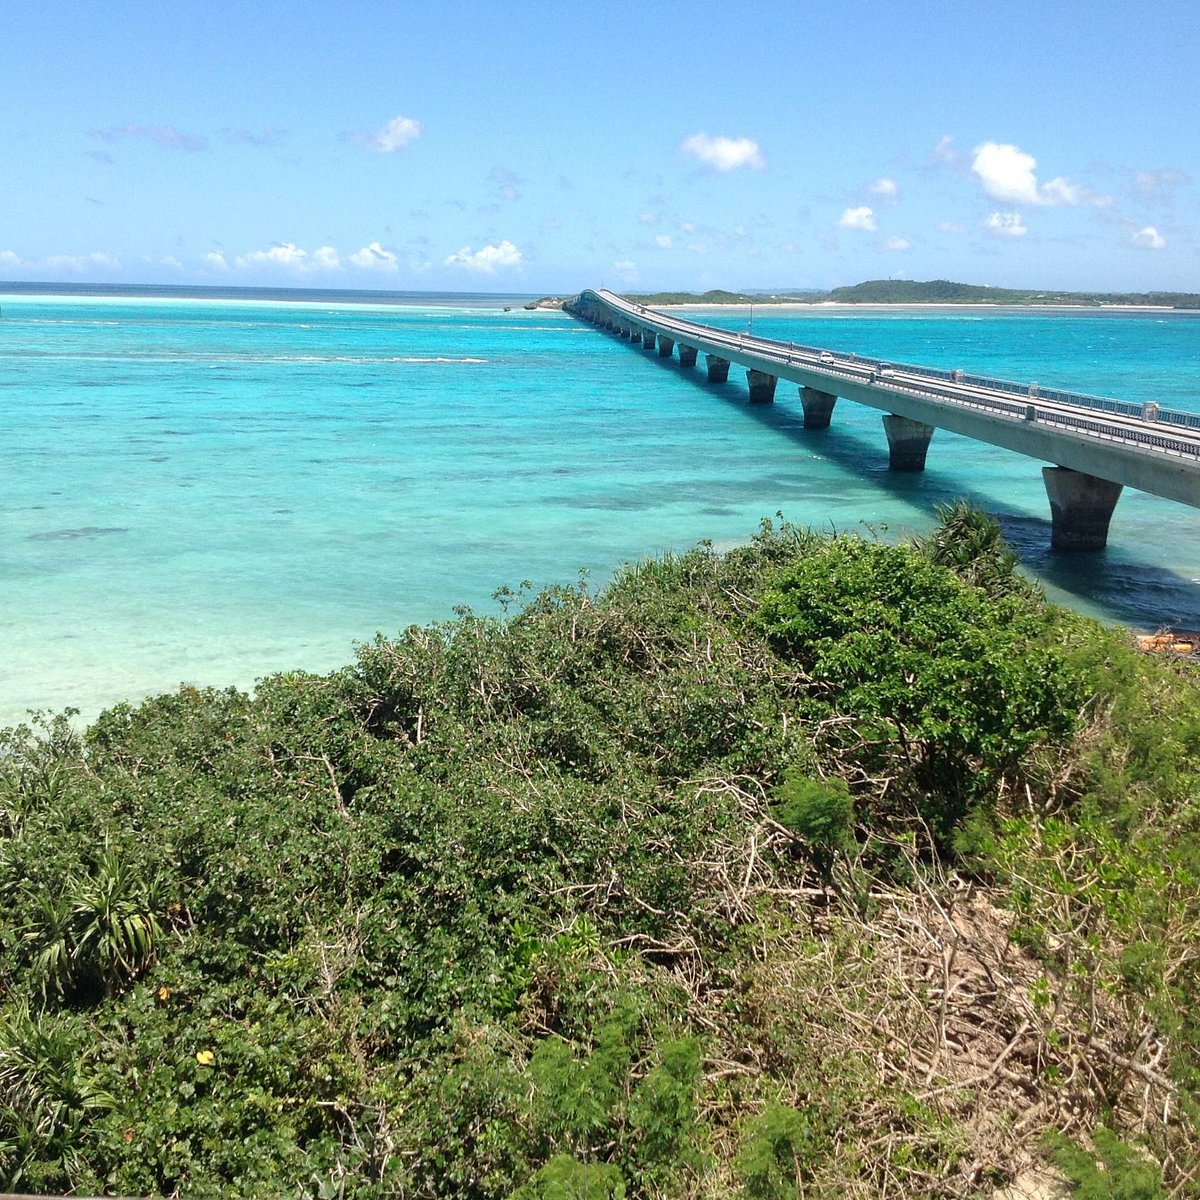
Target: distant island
x=931, y=291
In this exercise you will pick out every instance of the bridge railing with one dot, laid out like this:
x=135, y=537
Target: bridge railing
x=1028, y=392
x=1029, y=411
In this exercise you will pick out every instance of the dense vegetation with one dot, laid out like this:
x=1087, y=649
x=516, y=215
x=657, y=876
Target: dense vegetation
x=932, y=291
x=817, y=868
x=943, y=291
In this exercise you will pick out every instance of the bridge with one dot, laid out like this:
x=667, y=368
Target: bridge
x=1096, y=447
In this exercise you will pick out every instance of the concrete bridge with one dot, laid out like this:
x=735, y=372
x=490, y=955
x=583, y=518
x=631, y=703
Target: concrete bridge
x=1096, y=446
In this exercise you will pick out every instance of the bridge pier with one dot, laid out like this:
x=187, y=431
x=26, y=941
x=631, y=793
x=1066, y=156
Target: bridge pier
x=665, y=346
x=687, y=355
x=762, y=386
x=1081, y=507
x=648, y=339
x=908, y=442
x=818, y=407
x=718, y=368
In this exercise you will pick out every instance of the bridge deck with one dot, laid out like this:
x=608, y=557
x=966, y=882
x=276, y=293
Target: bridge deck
x=1140, y=446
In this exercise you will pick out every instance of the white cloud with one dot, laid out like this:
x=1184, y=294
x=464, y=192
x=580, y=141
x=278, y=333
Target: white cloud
x=897, y=243
x=392, y=136
x=75, y=263
x=487, y=260
x=507, y=183
x=1007, y=224
x=1159, y=184
x=1149, y=238
x=166, y=136
x=282, y=254
x=374, y=257
x=647, y=218
x=951, y=227
x=247, y=137
x=945, y=152
x=326, y=258
x=1007, y=173
x=1059, y=191
x=857, y=218
x=286, y=256
x=723, y=153
x=78, y=262
x=627, y=269
x=885, y=187
x=663, y=240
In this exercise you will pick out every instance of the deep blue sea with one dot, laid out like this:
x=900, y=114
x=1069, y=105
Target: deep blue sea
x=205, y=489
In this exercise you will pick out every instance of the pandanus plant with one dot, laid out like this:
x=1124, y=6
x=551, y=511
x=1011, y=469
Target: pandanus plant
x=46, y=1093
x=103, y=927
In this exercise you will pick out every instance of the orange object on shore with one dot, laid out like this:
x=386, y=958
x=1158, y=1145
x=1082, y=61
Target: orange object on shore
x=1174, y=642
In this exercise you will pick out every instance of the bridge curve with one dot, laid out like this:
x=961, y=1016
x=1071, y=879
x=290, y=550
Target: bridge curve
x=1096, y=446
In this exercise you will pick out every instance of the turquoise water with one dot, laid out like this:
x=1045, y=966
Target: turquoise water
x=207, y=490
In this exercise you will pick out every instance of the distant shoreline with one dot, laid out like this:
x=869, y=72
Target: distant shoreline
x=930, y=292
x=13, y=290
x=889, y=306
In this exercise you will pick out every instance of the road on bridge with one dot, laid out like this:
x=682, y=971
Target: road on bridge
x=1096, y=445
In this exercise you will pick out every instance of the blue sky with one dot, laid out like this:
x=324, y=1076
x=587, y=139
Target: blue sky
x=546, y=147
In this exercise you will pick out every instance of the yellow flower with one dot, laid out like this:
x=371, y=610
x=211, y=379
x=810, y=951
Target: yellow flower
x=164, y=994
x=205, y=1058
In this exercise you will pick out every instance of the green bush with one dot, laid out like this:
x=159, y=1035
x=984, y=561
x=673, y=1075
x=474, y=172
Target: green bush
x=820, y=812
x=494, y=909
x=1114, y=1171
x=779, y=1153
x=917, y=675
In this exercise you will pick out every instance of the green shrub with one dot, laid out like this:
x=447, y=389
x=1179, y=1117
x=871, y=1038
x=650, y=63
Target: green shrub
x=1114, y=1171
x=820, y=812
x=563, y=1178
x=916, y=674
x=779, y=1152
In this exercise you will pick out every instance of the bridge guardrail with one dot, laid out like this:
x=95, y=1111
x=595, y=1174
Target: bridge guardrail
x=1030, y=393
x=1044, y=416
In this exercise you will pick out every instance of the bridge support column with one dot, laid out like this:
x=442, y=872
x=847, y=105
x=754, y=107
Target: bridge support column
x=665, y=346
x=818, y=408
x=648, y=336
x=687, y=355
x=718, y=368
x=1081, y=507
x=762, y=386
x=621, y=329
x=635, y=333
x=908, y=441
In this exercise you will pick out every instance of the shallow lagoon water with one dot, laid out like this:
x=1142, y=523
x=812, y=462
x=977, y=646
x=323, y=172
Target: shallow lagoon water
x=212, y=490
